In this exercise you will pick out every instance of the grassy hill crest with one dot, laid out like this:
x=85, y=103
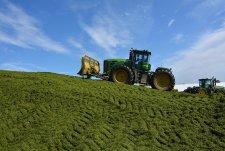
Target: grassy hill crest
x=47, y=111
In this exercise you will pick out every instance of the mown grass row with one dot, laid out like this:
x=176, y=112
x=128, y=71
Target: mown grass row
x=46, y=111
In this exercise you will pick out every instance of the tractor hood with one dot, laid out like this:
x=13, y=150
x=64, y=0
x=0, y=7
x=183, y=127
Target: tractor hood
x=117, y=60
x=145, y=66
x=219, y=87
x=110, y=63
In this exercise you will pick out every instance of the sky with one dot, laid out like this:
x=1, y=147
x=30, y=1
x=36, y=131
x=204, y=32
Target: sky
x=51, y=36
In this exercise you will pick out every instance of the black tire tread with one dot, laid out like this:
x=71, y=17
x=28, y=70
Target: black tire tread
x=124, y=67
x=167, y=71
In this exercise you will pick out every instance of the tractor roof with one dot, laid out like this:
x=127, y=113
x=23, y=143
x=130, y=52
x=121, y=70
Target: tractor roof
x=204, y=79
x=140, y=51
x=207, y=79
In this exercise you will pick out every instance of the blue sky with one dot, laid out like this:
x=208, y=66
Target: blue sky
x=51, y=36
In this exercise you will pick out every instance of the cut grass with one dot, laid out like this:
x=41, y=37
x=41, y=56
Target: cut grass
x=46, y=111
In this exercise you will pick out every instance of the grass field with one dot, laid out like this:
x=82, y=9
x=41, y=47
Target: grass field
x=46, y=111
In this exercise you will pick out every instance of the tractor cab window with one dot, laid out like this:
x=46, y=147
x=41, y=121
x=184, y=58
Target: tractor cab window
x=145, y=58
x=208, y=82
x=141, y=58
x=203, y=83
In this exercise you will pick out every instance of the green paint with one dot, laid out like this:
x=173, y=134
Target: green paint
x=139, y=60
x=47, y=111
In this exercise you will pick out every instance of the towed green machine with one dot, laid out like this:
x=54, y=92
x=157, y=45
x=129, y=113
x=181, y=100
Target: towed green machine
x=136, y=69
x=206, y=87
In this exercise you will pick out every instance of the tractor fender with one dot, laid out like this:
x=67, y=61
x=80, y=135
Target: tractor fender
x=163, y=68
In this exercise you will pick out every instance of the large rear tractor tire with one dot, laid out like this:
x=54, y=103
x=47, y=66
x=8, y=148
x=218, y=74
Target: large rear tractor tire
x=163, y=79
x=122, y=74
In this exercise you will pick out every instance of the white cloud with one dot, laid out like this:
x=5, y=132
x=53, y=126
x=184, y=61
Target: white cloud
x=204, y=59
x=113, y=30
x=20, y=29
x=82, y=51
x=178, y=38
x=18, y=66
x=207, y=8
x=75, y=43
x=182, y=87
x=171, y=22
x=108, y=33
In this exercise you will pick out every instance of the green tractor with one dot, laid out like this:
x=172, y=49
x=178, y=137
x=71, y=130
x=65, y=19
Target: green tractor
x=136, y=69
x=206, y=87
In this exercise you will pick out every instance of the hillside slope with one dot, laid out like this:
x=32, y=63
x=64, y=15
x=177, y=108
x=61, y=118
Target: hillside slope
x=46, y=111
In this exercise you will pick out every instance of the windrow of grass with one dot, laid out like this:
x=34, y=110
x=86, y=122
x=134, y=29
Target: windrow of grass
x=46, y=111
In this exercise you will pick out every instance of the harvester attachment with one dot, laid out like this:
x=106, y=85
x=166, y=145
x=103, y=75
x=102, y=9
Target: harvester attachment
x=89, y=67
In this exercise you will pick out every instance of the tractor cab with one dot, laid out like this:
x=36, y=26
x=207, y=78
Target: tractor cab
x=206, y=83
x=140, y=59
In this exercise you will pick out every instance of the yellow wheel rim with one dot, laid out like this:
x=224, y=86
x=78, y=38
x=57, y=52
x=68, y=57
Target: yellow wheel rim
x=163, y=80
x=121, y=76
x=202, y=92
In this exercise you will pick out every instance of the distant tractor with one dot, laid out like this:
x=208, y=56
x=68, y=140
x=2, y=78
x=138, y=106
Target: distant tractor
x=206, y=87
x=136, y=69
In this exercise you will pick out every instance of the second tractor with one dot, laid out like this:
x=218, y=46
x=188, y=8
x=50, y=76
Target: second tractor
x=206, y=87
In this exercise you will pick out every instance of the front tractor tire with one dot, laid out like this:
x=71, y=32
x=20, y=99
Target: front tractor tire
x=122, y=74
x=203, y=92
x=163, y=79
